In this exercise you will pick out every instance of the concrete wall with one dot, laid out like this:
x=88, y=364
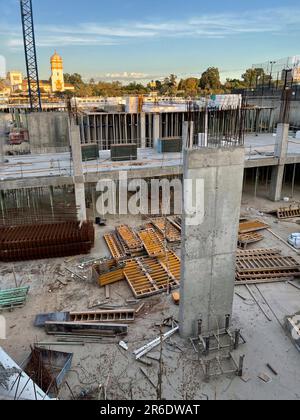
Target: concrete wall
x=48, y=132
x=208, y=249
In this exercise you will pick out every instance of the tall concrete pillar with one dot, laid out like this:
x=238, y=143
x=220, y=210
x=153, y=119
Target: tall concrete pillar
x=2, y=138
x=156, y=129
x=78, y=171
x=209, y=246
x=281, y=147
x=143, y=129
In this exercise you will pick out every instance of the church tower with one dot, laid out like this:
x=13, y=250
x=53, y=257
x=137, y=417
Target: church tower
x=57, y=73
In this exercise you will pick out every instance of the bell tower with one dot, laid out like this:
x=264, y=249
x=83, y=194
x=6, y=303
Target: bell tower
x=57, y=73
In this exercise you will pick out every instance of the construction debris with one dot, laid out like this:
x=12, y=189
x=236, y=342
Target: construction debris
x=293, y=326
x=88, y=328
x=264, y=377
x=244, y=239
x=148, y=347
x=123, y=345
x=176, y=297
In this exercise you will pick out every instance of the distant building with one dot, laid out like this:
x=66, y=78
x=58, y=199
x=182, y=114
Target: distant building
x=15, y=83
x=57, y=73
x=15, y=80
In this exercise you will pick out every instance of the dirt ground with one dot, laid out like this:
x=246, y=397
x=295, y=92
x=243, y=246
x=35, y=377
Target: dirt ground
x=97, y=365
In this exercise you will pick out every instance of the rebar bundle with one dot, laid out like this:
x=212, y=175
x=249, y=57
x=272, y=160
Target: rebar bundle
x=26, y=242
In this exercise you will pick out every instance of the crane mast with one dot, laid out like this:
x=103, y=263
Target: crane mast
x=30, y=55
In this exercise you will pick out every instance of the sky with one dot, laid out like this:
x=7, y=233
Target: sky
x=143, y=40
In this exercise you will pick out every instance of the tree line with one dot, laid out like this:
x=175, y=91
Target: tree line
x=209, y=83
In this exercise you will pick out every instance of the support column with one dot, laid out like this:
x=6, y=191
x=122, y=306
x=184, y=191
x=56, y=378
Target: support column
x=209, y=246
x=156, y=129
x=2, y=135
x=78, y=171
x=143, y=129
x=281, y=147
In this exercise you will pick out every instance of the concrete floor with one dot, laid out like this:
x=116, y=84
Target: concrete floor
x=42, y=165
x=97, y=364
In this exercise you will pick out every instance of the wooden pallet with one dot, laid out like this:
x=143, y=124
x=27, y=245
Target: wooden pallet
x=120, y=315
x=252, y=226
x=151, y=242
x=288, y=212
x=13, y=298
x=167, y=229
x=114, y=246
x=244, y=239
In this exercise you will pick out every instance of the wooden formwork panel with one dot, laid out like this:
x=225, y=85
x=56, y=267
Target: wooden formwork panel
x=159, y=275
x=111, y=277
x=130, y=238
x=288, y=212
x=267, y=275
x=114, y=246
x=257, y=252
x=152, y=244
x=171, y=263
x=266, y=263
x=167, y=229
x=158, y=232
x=139, y=281
x=252, y=226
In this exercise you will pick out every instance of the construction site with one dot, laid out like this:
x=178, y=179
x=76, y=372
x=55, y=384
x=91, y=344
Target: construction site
x=150, y=252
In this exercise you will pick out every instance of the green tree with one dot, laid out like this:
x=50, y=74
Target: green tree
x=135, y=88
x=189, y=86
x=169, y=85
x=210, y=80
x=254, y=76
x=232, y=84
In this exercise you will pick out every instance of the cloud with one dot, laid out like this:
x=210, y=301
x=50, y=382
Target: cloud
x=210, y=26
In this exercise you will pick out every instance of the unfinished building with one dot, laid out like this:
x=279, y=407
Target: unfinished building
x=151, y=275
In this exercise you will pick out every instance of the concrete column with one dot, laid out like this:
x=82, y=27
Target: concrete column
x=2, y=135
x=156, y=129
x=280, y=152
x=209, y=247
x=78, y=171
x=185, y=134
x=143, y=129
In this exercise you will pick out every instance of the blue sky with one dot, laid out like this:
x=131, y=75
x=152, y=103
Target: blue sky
x=142, y=39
